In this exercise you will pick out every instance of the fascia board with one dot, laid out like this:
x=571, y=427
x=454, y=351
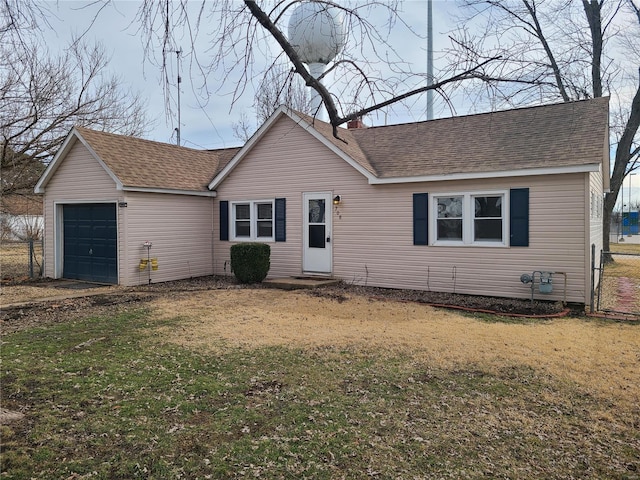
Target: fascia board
x=53, y=165
x=66, y=146
x=255, y=138
x=481, y=175
x=309, y=128
x=193, y=193
x=102, y=164
x=606, y=161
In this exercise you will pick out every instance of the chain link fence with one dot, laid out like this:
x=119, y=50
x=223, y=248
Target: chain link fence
x=618, y=290
x=21, y=260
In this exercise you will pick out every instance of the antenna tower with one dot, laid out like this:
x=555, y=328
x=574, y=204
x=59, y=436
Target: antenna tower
x=429, y=59
x=178, y=53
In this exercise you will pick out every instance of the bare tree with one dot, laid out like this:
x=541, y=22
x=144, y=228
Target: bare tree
x=552, y=51
x=43, y=96
x=248, y=37
x=20, y=18
x=280, y=86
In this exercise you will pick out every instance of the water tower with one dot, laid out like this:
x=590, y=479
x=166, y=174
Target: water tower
x=317, y=33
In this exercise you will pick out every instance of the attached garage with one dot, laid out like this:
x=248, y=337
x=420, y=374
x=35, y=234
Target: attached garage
x=107, y=196
x=90, y=242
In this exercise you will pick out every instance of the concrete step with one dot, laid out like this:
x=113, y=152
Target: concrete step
x=297, y=283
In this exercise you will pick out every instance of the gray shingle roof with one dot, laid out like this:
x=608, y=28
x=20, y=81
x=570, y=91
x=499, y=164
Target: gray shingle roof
x=147, y=164
x=558, y=135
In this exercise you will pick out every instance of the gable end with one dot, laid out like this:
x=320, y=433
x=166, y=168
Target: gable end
x=73, y=137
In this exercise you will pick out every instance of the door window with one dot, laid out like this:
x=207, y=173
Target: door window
x=317, y=226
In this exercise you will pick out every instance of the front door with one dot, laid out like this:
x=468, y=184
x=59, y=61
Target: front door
x=316, y=256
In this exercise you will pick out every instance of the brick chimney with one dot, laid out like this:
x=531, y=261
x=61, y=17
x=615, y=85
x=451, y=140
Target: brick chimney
x=357, y=123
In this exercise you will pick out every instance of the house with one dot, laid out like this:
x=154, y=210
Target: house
x=464, y=205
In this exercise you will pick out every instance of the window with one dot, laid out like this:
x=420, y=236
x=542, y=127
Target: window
x=466, y=219
x=242, y=218
x=449, y=218
x=264, y=222
x=487, y=219
x=252, y=220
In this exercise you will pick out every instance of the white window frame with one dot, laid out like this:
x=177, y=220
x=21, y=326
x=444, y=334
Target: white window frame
x=468, y=217
x=253, y=221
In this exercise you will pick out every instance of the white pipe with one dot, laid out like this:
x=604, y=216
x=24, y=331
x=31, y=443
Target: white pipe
x=429, y=60
x=317, y=108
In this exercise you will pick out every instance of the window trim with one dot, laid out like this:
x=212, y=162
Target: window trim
x=468, y=217
x=253, y=220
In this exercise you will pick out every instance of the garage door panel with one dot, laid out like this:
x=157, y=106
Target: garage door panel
x=83, y=269
x=90, y=242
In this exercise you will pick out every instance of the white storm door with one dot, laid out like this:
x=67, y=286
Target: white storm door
x=316, y=254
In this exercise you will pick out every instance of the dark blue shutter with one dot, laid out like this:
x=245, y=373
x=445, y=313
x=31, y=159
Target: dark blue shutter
x=420, y=219
x=224, y=220
x=519, y=217
x=281, y=219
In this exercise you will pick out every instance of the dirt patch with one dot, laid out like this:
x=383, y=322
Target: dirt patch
x=42, y=313
x=42, y=291
x=9, y=416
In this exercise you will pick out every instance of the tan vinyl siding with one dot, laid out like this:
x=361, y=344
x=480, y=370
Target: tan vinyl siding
x=389, y=259
x=373, y=227
x=596, y=211
x=273, y=169
x=78, y=179
x=180, y=230
x=179, y=226
x=596, y=227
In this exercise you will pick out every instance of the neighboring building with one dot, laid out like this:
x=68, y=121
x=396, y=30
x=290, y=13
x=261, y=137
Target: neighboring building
x=21, y=217
x=463, y=205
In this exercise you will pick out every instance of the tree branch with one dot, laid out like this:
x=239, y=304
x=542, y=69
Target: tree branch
x=334, y=118
x=434, y=86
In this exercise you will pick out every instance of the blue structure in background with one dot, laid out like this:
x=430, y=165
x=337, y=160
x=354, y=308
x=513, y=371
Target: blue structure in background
x=629, y=223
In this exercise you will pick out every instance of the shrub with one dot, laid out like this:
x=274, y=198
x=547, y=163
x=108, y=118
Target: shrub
x=250, y=262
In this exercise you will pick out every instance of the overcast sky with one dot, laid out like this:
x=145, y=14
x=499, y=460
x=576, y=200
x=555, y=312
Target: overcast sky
x=210, y=126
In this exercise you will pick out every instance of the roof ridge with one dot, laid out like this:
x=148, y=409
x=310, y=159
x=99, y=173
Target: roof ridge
x=139, y=139
x=493, y=112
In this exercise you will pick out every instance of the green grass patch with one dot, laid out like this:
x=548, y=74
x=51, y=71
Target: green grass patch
x=107, y=398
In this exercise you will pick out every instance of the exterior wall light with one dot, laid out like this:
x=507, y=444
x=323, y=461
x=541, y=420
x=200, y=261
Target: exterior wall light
x=337, y=200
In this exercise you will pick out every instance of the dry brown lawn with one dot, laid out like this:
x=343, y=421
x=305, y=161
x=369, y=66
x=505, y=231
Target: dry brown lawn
x=14, y=259
x=602, y=357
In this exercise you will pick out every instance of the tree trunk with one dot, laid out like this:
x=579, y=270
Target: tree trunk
x=592, y=10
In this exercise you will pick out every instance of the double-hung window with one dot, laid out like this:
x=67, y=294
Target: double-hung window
x=469, y=219
x=488, y=218
x=252, y=220
x=450, y=220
